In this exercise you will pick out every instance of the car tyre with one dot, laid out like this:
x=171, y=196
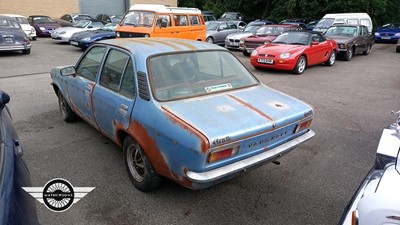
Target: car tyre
x=210, y=40
x=348, y=55
x=331, y=60
x=245, y=53
x=397, y=50
x=301, y=65
x=34, y=38
x=368, y=50
x=66, y=112
x=139, y=167
x=26, y=52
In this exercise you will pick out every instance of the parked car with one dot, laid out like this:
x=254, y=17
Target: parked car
x=239, y=24
x=68, y=20
x=351, y=39
x=398, y=46
x=295, y=51
x=232, y=40
x=389, y=32
x=343, y=18
x=105, y=18
x=208, y=16
x=311, y=25
x=43, y=25
x=16, y=205
x=12, y=37
x=84, y=39
x=231, y=16
x=26, y=27
x=266, y=34
x=296, y=21
x=376, y=200
x=218, y=30
x=167, y=103
x=63, y=34
x=300, y=24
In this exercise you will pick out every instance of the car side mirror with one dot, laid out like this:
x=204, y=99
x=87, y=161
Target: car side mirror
x=68, y=71
x=315, y=43
x=4, y=99
x=90, y=26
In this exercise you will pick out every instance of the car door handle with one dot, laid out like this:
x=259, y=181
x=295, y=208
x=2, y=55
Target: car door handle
x=123, y=107
x=123, y=110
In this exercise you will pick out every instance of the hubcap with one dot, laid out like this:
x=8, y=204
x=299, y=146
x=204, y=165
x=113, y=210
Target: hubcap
x=349, y=53
x=332, y=58
x=302, y=65
x=209, y=40
x=135, y=162
x=63, y=106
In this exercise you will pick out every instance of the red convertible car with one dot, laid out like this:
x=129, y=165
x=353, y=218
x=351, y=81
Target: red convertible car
x=295, y=51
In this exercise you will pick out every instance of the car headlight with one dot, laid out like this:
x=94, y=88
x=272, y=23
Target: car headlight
x=117, y=34
x=267, y=42
x=285, y=55
x=342, y=46
x=86, y=39
x=377, y=34
x=147, y=35
x=254, y=53
x=33, y=30
x=62, y=32
x=241, y=41
x=42, y=28
x=397, y=34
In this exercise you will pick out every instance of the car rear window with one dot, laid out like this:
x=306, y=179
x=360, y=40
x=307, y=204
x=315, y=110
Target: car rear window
x=185, y=75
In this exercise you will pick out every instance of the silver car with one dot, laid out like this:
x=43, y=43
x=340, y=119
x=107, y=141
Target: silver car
x=232, y=40
x=218, y=30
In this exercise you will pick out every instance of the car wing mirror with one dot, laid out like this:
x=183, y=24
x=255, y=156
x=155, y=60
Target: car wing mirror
x=68, y=71
x=90, y=26
x=4, y=99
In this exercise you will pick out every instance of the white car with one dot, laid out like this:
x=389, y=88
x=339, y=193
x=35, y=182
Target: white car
x=63, y=34
x=26, y=27
x=232, y=40
x=377, y=200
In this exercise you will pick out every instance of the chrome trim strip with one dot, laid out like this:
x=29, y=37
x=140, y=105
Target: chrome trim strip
x=242, y=165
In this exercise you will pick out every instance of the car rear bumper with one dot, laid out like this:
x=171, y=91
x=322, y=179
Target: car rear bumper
x=15, y=47
x=208, y=178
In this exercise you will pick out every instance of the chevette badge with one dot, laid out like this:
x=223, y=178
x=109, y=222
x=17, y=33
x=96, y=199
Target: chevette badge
x=221, y=140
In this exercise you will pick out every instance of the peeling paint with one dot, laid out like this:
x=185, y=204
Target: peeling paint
x=251, y=107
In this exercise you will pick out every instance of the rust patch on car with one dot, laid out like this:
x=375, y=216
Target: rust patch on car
x=205, y=143
x=251, y=107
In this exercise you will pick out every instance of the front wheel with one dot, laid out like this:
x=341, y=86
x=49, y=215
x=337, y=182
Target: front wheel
x=210, y=40
x=139, y=167
x=331, y=60
x=300, y=65
x=66, y=112
x=245, y=53
x=26, y=52
x=348, y=55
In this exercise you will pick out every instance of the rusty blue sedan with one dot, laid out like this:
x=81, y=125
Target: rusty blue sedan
x=184, y=110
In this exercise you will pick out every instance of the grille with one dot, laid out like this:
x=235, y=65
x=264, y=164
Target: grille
x=129, y=35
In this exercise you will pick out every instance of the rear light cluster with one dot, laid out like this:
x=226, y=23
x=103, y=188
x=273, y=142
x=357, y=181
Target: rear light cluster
x=221, y=154
x=303, y=125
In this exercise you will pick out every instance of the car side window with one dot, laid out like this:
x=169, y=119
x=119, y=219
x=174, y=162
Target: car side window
x=194, y=20
x=180, y=20
x=223, y=26
x=113, y=69
x=89, y=65
x=365, y=30
x=98, y=17
x=128, y=87
x=163, y=19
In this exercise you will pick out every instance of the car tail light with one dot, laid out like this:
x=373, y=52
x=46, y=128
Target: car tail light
x=354, y=218
x=303, y=125
x=26, y=40
x=218, y=155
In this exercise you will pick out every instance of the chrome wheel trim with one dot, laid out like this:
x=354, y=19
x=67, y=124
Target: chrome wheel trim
x=210, y=40
x=63, y=106
x=302, y=65
x=135, y=162
x=332, y=58
x=349, y=53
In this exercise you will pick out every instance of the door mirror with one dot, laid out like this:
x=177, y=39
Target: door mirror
x=4, y=99
x=68, y=71
x=90, y=26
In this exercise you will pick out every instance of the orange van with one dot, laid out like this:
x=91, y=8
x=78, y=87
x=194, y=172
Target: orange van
x=149, y=20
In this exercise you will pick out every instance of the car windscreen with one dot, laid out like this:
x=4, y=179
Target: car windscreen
x=8, y=23
x=82, y=17
x=109, y=27
x=189, y=74
x=42, y=19
x=212, y=25
x=342, y=30
x=325, y=23
x=138, y=18
x=81, y=24
x=270, y=30
x=252, y=28
x=21, y=20
x=293, y=38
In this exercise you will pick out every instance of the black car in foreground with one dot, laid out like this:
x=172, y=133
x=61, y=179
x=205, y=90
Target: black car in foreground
x=16, y=205
x=12, y=37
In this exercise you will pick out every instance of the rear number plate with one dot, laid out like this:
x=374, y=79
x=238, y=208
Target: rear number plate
x=8, y=40
x=386, y=37
x=74, y=43
x=266, y=61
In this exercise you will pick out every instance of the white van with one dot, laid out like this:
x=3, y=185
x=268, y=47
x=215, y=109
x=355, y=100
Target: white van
x=343, y=18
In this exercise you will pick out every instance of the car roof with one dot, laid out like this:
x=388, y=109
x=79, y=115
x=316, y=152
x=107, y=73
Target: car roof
x=304, y=31
x=281, y=25
x=7, y=17
x=39, y=16
x=347, y=25
x=151, y=46
x=13, y=15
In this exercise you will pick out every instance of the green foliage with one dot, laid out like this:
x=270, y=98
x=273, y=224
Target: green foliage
x=381, y=11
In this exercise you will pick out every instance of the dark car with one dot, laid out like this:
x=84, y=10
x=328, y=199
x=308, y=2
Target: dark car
x=105, y=18
x=68, y=19
x=389, y=32
x=266, y=34
x=43, y=25
x=208, y=16
x=12, y=37
x=351, y=39
x=84, y=39
x=16, y=205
